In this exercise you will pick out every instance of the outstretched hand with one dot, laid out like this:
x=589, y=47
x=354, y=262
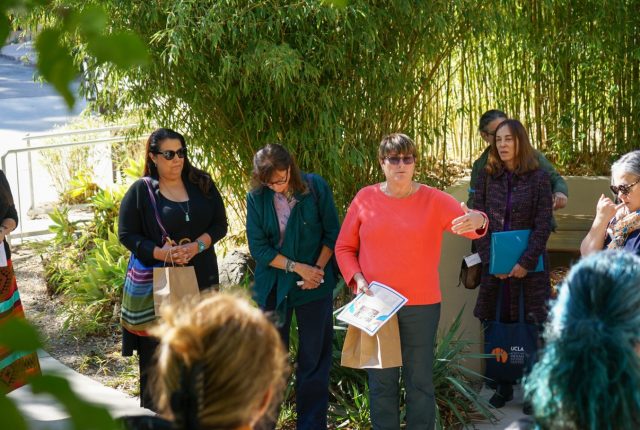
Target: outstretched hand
x=470, y=221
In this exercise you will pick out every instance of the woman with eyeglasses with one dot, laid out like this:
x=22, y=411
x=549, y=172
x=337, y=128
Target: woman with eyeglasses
x=292, y=226
x=192, y=213
x=617, y=226
x=515, y=192
x=392, y=234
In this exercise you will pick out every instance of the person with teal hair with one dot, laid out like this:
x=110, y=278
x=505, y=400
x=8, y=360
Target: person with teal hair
x=589, y=374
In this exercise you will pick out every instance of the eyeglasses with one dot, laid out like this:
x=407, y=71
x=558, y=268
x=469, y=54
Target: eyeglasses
x=170, y=154
x=278, y=182
x=624, y=189
x=394, y=161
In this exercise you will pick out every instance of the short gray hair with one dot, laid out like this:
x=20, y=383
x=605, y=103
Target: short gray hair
x=628, y=163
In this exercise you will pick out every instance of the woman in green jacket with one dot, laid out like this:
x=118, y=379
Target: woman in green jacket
x=292, y=226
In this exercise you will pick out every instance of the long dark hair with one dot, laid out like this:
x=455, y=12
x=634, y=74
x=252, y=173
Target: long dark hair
x=196, y=176
x=271, y=158
x=6, y=199
x=525, y=156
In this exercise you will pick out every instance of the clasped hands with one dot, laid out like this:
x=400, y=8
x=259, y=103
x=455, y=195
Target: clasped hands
x=311, y=276
x=179, y=254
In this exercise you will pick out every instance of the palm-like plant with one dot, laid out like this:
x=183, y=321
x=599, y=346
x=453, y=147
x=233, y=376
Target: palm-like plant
x=457, y=402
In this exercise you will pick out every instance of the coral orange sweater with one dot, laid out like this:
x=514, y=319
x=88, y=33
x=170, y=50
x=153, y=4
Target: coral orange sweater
x=397, y=241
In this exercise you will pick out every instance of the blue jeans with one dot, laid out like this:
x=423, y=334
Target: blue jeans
x=418, y=327
x=315, y=355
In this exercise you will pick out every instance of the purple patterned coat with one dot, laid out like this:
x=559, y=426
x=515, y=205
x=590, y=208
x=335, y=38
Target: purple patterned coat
x=531, y=208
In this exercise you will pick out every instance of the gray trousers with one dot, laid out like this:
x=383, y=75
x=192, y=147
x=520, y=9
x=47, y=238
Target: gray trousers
x=418, y=327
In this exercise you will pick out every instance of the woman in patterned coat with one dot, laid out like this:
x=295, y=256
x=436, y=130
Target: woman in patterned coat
x=515, y=193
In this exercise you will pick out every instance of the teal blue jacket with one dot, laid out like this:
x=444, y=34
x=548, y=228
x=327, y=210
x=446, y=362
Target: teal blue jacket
x=313, y=223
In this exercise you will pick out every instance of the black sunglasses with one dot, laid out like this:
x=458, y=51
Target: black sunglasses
x=170, y=154
x=394, y=161
x=624, y=189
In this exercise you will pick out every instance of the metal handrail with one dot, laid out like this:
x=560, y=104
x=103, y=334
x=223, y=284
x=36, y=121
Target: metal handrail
x=63, y=145
x=38, y=136
x=30, y=136
x=29, y=149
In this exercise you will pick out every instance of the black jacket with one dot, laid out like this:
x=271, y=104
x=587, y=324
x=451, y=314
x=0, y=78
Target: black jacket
x=138, y=229
x=7, y=210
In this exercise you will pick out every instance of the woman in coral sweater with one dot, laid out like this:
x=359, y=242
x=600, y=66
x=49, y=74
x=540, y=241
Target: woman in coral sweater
x=392, y=234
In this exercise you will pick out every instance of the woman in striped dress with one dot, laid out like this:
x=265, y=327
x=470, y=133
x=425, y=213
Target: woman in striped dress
x=15, y=366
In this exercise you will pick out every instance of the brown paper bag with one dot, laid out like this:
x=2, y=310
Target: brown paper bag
x=379, y=351
x=173, y=284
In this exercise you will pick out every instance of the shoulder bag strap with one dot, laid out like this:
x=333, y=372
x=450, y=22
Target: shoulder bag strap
x=308, y=180
x=152, y=197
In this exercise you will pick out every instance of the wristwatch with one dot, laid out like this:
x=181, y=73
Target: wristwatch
x=201, y=246
x=289, y=266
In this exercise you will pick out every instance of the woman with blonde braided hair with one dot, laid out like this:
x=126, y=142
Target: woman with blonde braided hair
x=220, y=365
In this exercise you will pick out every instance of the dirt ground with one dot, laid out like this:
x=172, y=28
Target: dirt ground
x=95, y=356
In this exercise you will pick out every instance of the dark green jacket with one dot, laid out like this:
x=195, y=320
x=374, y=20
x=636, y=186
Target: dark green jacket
x=313, y=223
x=558, y=184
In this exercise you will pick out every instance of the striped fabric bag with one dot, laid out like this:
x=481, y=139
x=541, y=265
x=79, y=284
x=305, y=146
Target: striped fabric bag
x=15, y=366
x=138, y=313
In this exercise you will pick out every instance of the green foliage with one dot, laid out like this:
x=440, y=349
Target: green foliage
x=106, y=206
x=87, y=263
x=65, y=27
x=457, y=401
x=19, y=335
x=83, y=415
x=80, y=188
x=63, y=228
x=349, y=391
x=11, y=415
x=327, y=80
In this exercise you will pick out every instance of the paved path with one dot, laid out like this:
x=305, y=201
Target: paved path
x=44, y=412
x=27, y=107
x=511, y=412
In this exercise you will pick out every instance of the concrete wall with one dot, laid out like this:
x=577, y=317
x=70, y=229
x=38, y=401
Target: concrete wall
x=583, y=196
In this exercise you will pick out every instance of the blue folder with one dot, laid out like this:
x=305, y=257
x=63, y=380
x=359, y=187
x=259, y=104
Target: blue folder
x=506, y=249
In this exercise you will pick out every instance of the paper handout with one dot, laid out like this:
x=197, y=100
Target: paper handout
x=369, y=313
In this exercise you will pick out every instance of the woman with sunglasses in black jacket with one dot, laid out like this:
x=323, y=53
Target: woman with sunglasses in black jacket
x=617, y=224
x=190, y=210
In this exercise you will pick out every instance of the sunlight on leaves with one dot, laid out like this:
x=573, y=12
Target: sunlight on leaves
x=55, y=63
